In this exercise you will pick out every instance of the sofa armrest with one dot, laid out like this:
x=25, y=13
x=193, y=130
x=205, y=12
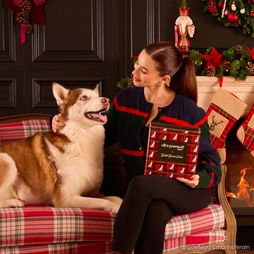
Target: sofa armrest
x=16, y=127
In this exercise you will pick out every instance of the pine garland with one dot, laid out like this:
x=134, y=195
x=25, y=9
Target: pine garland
x=234, y=13
x=237, y=62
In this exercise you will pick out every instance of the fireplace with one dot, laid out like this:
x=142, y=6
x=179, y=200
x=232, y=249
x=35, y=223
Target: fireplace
x=239, y=161
x=240, y=176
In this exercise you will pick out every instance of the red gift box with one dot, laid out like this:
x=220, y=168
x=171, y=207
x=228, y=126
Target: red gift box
x=172, y=150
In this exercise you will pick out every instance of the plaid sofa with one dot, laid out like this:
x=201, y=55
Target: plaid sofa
x=47, y=230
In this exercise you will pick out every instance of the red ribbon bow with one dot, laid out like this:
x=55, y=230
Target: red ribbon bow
x=27, y=12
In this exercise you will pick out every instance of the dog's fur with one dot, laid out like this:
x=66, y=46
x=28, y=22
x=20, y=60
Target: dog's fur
x=63, y=169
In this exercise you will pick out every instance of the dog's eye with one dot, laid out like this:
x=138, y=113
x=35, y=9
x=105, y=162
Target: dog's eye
x=83, y=98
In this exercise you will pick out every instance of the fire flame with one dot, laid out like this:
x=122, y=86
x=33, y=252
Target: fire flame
x=243, y=186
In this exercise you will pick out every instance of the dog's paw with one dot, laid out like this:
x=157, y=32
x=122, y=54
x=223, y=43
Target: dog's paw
x=115, y=203
x=115, y=199
x=12, y=203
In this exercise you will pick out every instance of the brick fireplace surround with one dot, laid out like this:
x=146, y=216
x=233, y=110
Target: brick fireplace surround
x=237, y=156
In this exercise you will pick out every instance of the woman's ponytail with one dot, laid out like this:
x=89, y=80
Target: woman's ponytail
x=184, y=80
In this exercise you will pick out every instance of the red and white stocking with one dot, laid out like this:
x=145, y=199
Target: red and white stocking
x=245, y=133
x=225, y=109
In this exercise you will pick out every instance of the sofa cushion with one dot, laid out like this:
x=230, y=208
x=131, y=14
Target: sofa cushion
x=42, y=224
x=198, y=241
x=104, y=247
x=207, y=219
x=22, y=129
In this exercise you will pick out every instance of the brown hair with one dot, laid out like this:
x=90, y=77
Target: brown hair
x=170, y=61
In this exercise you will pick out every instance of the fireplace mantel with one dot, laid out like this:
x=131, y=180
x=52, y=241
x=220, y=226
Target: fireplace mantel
x=207, y=86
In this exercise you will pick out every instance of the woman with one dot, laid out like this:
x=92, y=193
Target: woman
x=164, y=90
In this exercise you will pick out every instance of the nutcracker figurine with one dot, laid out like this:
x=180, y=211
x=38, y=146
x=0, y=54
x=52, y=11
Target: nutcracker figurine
x=183, y=28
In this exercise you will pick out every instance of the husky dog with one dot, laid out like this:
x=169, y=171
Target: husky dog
x=64, y=169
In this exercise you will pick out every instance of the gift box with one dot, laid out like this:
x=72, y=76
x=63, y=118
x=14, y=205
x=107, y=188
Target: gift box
x=172, y=150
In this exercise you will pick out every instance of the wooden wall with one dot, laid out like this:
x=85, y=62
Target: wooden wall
x=90, y=41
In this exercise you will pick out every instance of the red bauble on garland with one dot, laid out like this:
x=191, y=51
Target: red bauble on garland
x=233, y=18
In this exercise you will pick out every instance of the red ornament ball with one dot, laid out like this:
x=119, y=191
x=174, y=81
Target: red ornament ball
x=232, y=17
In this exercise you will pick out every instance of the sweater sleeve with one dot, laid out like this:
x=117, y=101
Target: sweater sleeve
x=111, y=126
x=209, y=168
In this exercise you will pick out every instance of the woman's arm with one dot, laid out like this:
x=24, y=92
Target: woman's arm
x=209, y=168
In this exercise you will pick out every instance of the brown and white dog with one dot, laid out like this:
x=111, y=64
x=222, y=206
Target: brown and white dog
x=64, y=169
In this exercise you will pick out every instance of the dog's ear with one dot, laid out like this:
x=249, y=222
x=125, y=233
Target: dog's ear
x=96, y=89
x=60, y=93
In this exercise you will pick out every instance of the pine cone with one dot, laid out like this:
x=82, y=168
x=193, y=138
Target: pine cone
x=238, y=49
x=210, y=71
x=28, y=28
x=26, y=6
x=250, y=68
x=21, y=18
x=227, y=66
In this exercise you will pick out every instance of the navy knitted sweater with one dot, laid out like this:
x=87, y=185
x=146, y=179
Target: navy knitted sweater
x=126, y=125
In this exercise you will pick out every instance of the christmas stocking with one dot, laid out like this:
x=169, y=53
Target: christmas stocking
x=245, y=133
x=225, y=109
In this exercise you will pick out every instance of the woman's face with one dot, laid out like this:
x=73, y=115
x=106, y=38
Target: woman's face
x=145, y=73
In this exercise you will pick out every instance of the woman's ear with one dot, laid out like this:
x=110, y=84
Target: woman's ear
x=166, y=80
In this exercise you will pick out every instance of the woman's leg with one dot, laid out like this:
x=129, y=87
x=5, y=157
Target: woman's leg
x=141, y=192
x=151, y=238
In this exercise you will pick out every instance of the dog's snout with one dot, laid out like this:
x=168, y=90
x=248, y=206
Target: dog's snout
x=105, y=100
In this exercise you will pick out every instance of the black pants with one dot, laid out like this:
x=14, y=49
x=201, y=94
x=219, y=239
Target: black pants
x=150, y=202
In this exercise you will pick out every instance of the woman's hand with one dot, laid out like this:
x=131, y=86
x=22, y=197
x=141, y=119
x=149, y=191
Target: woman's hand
x=57, y=123
x=192, y=182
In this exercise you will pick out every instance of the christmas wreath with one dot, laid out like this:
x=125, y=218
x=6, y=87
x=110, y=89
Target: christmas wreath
x=235, y=13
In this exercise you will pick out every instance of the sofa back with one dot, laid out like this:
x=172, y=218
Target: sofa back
x=22, y=126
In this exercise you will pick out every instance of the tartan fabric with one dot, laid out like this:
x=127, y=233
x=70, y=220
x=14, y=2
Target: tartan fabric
x=39, y=225
x=100, y=247
x=185, y=243
x=22, y=129
x=48, y=230
x=248, y=126
x=207, y=219
x=104, y=247
x=218, y=141
x=195, y=240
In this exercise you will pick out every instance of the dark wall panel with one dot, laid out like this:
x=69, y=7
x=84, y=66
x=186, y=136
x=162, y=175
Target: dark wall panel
x=68, y=38
x=7, y=35
x=91, y=41
x=78, y=48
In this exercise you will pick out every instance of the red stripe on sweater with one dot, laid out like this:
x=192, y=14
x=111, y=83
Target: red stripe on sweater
x=129, y=110
x=211, y=181
x=132, y=152
x=181, y=122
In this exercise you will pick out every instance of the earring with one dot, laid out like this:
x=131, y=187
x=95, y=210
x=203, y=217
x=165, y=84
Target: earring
x=167, y=84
